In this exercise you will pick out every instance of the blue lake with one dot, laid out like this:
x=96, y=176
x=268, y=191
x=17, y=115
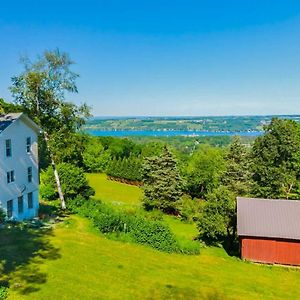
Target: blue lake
x=124, y=133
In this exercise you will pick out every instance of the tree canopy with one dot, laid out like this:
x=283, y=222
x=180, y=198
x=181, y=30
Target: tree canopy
x=276, y=161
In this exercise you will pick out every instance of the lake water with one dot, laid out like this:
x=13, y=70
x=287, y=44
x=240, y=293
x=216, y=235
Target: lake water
x=124, y=133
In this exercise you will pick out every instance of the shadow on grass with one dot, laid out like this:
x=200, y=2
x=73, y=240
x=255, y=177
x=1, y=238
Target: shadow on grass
x=232, y=247
x=22, y=252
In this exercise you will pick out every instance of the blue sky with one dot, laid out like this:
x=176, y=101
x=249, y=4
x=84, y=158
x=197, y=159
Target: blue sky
x=164, y=57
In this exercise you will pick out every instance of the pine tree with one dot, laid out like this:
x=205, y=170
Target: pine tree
x=237, y=174
x=162, y=182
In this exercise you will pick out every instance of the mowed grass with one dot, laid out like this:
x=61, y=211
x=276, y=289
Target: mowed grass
x=74, y=261
x=115, y=192
x=130, y=195
x=86, y=265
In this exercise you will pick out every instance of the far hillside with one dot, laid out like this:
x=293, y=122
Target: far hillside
x=198, y=123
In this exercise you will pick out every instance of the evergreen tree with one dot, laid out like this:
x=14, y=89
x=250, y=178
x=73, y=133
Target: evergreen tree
x=162, y=182
x=237, y=175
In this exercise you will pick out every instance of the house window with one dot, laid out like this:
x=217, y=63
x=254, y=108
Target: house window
x=30, y=200
x=9, y=208
x=20, y=205
x=8, y=148
x=28, y=144
x=29, y=173
x=10, y=176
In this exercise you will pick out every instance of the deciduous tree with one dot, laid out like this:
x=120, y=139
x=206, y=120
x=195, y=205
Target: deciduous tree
x=205, y=169
x=217, y=220
x=276, y=161
x=41, y=91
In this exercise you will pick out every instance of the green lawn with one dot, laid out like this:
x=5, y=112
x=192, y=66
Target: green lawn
x=112, y=191
x=120, y=193
x=74, y=261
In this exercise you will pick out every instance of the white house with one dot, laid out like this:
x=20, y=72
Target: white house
x=19, y=178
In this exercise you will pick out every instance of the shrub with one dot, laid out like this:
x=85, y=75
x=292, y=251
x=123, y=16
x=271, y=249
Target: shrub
x=110, y=221
x=190, y=209
x=3, y=292
x=47, y=210
x=76, y=203
x=73, y=182
x=2, y=217
x=47, y=189
x=154, y=233
x=139, y=228
x=95, y=159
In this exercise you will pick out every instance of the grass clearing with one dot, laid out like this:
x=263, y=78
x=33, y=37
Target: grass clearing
x=113, y=191
x=74, y=261
x=79, y=263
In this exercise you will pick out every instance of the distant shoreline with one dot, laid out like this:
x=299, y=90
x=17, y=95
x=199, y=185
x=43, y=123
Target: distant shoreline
x=166, y=133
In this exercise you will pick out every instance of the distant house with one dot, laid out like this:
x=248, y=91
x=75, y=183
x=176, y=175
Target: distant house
x=19, y=179
x=269, y=230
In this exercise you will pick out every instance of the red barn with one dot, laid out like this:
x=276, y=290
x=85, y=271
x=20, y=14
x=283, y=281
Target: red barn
x=269, y=230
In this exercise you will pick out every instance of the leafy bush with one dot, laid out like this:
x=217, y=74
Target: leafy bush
x=110, y=221
x=47, y=189
x=139, y=228
x=218, y=218
x=95, y=158
x=154, y=233
x=2, y=217
x=73, y=182
x=3, y=292
x=189, y=209
x=47, y=210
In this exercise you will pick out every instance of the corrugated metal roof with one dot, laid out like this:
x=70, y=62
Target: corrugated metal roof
x=268, y=218
x=8, y=119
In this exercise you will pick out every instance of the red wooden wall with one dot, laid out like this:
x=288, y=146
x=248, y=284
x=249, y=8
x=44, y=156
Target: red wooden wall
x=272, y=251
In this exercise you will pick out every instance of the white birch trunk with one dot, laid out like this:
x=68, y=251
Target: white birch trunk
x=58, y=185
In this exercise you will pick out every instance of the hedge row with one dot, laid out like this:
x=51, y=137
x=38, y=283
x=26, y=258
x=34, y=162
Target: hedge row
x=127, y=168
x=150, y=232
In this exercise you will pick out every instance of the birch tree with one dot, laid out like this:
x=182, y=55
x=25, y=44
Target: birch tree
x=41, y=91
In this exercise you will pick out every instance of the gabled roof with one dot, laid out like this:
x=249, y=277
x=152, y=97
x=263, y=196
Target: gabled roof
x=268, y=218
x=8, y=119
